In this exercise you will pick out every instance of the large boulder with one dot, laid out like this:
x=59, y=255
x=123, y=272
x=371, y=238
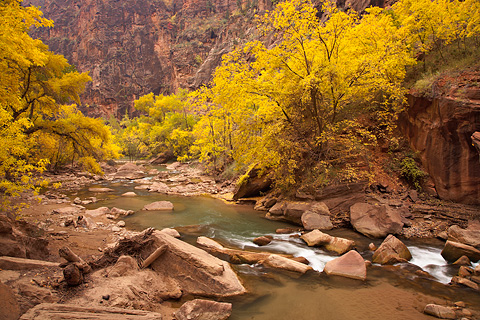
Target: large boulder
x=391, y=251
x=252, y=185
x=200, y=309
x=163, y=157
x=350, y=265
x=334, y=244
x=196, y=271
x=317, y=217
x=376, y=221
x=129, y=171
x=159, y=206
x=467, y=236
x=454, y=250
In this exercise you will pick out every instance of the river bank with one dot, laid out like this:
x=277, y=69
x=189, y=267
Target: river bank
x=398, y=291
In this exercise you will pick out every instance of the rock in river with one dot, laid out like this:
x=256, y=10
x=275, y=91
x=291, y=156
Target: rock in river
x=454, y=250
x=159, y=206
x=350, y=265
x=391, y=251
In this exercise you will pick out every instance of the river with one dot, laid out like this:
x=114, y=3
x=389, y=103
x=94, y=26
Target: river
x=388, y=293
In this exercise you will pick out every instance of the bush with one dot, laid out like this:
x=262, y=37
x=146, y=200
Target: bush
x=412, y=173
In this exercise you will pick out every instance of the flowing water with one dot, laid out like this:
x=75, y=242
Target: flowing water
x=388, y=293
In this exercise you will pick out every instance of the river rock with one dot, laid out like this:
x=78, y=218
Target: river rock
x=263, y=240
x=316, y=238
x=376, y=221
x=67, y=211
x=391, y=251
x=195, y=271
x=163, y=157
x=335, y=244
x=290, y=211
x=439, y=311
x=350, y=265
x=317, y=217
x=98, y=212
x=279, y=262
x=465, y=282
x=129, y=194
x=100, y=190
x=200, y=309
x=463, y=261
x=159, y=187
x=159, y=206
x=465, y=236
x=454, y=250
x=171, y=232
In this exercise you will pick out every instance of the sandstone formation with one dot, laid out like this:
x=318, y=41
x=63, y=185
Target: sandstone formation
x=391, y=251
x=199, y=309
x=252, y=185
x=440, y=127
x=375, y=221
x=10, y=310
x=467, y=236
x=350, y=265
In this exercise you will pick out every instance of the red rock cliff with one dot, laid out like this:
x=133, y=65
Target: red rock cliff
x=441, y=127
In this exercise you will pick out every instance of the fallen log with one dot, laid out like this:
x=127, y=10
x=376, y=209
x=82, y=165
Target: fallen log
x=70, y=256
x=154, y=256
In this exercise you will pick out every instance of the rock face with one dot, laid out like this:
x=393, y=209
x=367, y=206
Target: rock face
x=391, y=251
x=199, y=309
x=8, y=303
x=375, y=221
x=350, y=265
x=440, y=127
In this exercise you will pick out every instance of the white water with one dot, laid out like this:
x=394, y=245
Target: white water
x=431, y=261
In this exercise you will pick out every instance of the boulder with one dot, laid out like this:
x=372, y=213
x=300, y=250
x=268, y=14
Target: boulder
x=53, y=311
x=98, y=212
x=465, y=282
x=317, y=217
x=120, y=212
x=159, y=187
x=129, y=194
x=290, y=211
x=10, y=310
x=316, y=238
x=73, y=275
x=171, y=232
x=163, y=157
x=252, y=185
x=350, y=265
x=335, y=244
x=454, y=250
x=439, y=311
x=159, y=206
x=376, y=221
x=200, y=309
x=391, y=251
x=463, y=261
x=466, y=236
x=67, y=211
x=124, y=265
x=263, y=240
x=195, y=271
x=129, y=167
x=279, y=262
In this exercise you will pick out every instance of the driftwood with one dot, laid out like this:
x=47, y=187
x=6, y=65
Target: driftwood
x=154, y=256
x=70, y=256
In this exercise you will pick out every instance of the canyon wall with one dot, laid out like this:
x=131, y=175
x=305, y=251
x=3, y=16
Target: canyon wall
x=442, y=127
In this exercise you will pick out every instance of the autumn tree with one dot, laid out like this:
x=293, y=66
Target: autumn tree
x=304, y=101
x=37, y=88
